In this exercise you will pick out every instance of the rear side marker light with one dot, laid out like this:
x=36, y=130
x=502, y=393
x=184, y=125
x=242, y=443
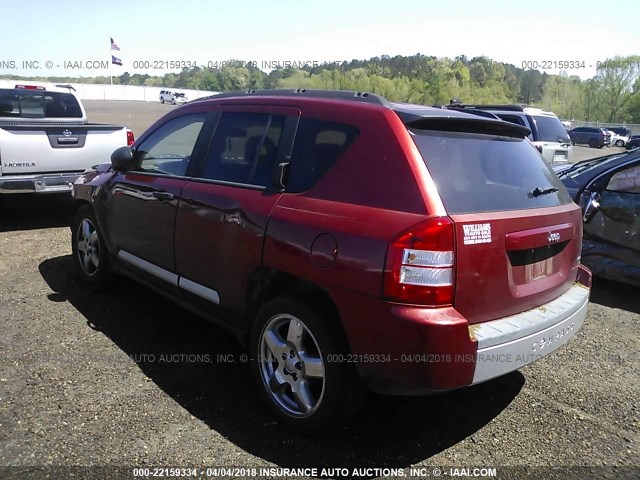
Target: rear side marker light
x=420, y=263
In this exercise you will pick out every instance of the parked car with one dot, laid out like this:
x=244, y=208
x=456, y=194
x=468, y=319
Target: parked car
x=547, y=132
x=616, y=140
x=592, y=136
x=634, y=142
x=46, y=141
x=172, y=97
x=622, y=131
x=608, y=190
x=351, y=242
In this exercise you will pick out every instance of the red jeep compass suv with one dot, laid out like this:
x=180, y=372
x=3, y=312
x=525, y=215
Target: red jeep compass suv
x=352, y=242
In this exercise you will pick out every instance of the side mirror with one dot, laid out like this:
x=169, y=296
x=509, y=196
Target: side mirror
x=122, y=159
x=592, y=206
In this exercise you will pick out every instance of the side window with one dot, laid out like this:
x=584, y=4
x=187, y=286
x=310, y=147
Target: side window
x=626, y=181
x=518, y=120
x=168, y=150
x=317, y=147
x=245, y=148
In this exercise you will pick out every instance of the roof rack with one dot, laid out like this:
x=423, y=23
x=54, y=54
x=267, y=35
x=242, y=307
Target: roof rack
x=302, y=92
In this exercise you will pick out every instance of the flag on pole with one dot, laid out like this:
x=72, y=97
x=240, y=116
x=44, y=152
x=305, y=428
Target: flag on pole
x=113, y=45
x=116, y=60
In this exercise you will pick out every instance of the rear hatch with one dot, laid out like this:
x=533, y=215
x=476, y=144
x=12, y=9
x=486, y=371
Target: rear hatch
x=551, y=138
x=517, y=233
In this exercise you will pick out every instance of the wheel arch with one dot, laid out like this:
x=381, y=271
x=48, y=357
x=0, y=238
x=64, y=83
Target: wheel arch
x=266, y=284
x=81, y=201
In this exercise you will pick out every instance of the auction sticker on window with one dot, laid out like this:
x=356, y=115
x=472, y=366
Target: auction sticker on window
x=476, y=233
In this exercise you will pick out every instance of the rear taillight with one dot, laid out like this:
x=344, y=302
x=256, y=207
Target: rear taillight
x=130, y=138
x=419, y=265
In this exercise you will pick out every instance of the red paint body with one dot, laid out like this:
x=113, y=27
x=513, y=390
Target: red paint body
x=377, y=189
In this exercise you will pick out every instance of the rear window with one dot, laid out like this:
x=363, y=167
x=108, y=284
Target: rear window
x=482, y=173
x=621, y=131
x=550, y=129
x=38, y=104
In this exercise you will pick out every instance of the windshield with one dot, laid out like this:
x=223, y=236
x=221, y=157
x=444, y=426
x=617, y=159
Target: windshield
x=38, y=104
x=585, y=166
x=550, y=129
x=482, y=173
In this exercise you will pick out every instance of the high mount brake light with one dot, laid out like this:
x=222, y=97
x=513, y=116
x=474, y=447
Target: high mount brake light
x=420, y=264
x=30, y=87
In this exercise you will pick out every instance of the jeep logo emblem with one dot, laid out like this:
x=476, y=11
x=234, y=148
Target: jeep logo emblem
x=553, y=237
x=66, y=132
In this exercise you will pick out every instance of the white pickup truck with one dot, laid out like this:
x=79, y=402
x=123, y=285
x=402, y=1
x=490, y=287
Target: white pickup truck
x=46, y=142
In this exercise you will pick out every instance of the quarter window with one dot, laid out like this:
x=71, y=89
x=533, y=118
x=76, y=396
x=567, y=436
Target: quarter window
x=168, y=150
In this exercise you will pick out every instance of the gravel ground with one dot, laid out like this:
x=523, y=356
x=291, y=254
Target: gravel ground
x=582, y=152
x=127, y=378
x=105, y=379
x=138, y=116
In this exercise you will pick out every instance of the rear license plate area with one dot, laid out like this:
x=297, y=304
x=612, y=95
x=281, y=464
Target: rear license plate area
x=536, y=262
x=560, y=156
x=537, y=270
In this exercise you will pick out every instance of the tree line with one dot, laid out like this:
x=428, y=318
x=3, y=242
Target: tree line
x=612, y=95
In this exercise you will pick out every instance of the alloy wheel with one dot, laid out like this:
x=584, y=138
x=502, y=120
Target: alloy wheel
x=88, y=247
x=291, y=365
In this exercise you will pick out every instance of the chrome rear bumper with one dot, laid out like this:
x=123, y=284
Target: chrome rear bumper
x=44, y=183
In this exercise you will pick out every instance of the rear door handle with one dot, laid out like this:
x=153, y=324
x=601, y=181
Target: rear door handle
x=164, y=196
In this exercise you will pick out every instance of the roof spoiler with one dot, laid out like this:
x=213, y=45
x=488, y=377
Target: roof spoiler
x=479, y=125
x=457, y=104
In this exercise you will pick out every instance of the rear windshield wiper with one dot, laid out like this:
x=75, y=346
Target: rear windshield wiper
x=543, y=191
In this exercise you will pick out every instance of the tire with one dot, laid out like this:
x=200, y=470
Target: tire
x=619, y=143
x=90, y=255
x=173, y=102
x=162, y=100
x=593, y=143
x=290, y=347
